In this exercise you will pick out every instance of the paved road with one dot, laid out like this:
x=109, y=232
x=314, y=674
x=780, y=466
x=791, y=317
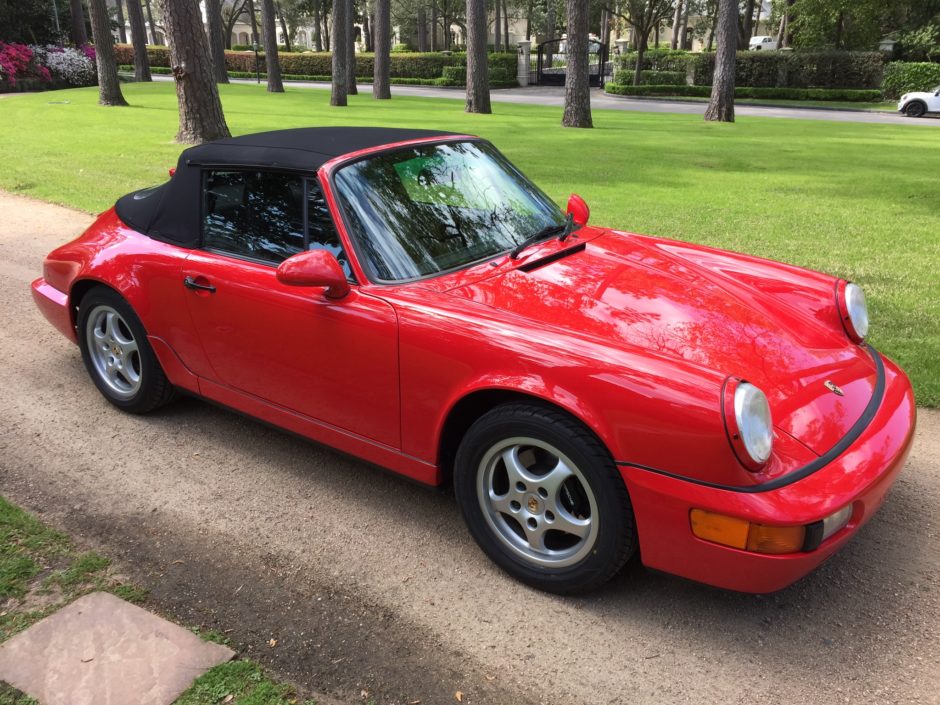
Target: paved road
x=550, y=95
x=371, y=584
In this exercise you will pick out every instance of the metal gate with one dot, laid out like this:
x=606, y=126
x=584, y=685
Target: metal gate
x=551, y=63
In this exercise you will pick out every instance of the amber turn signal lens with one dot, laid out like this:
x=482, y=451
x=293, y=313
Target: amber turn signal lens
x=742, y=534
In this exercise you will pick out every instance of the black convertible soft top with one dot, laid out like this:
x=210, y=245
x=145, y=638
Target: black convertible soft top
x=172, y=211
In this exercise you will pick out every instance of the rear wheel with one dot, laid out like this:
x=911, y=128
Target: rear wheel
x=915, y=109
x=543, y=499
x=117, y=355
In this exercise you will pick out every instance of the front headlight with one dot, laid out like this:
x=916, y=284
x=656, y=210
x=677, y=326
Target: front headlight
x=853, y=310
x=749, y=424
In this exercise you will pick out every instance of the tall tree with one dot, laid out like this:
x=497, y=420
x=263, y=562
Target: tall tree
x=216, y=35
x=506, y=24
x=284, y=30
x=154, y=37
x=317, y=36
x=78, y=32
x=351, y=88
x=383, y=38
x=135, y=14
x=201, y=117
x=577, y=86
x=271, y=59
x=478, y=81
x=119, y=14
x=230, y=16
x=676, y=23
x=643, y=16
x=721, y=105
x=340, y=55
x=498, y=27
x=109, y=86
x=746, y=25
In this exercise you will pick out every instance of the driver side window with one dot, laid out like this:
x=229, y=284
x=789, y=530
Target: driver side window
x=259, y=215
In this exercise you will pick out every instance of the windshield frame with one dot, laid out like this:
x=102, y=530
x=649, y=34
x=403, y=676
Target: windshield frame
x=362, y=258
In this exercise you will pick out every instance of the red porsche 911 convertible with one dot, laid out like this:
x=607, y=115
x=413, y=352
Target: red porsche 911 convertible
x=409, y=297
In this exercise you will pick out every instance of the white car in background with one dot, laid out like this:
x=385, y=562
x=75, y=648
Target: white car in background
x=920, y=103
x=762, y=43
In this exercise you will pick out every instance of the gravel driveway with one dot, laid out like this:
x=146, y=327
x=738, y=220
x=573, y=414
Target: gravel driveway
x=371, y=584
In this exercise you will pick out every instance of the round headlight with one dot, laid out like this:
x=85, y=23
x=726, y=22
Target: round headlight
x=754, y=426
x=854, y=312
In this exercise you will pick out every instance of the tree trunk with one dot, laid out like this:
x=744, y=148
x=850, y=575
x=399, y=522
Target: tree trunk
x=367, y=25
x=79, y=34
x=253, y=20
x=351, y=87
x=122, y=29
x=422, y=27
x=506, y=25
x=271, y=61
x=383, y=40
x=109, y=87
x=216, y=34
x=676, y=19
x=317, y=37
x=135, y=14
x=640, y=53
x=577, y=88
x=747, y=26
x=284, y=30
x=478, y=82
x=684, y=34
x=434, y=28
x=201, y=117
x=721, y=105
x=154, y=39
x=549, y=32
x=327, y=31
x=498, y=27
x=340, y=55
x=528, y=21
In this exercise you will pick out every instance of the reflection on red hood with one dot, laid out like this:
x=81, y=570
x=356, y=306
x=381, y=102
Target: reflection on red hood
x=716, y=309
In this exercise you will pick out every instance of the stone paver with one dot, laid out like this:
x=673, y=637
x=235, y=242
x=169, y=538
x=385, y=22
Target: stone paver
x=101, y=650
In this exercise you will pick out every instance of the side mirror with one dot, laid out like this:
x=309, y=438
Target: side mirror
x=314, y=268
x=578, y=209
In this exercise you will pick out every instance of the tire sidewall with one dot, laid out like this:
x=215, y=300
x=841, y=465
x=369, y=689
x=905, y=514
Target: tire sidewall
x=614, y=512
x=915, y=109
x=149, y=367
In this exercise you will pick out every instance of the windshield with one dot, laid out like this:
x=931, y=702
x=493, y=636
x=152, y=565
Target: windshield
x=427, y=209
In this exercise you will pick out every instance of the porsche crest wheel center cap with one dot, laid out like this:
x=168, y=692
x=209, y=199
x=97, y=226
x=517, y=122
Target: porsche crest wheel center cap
x=532, y=504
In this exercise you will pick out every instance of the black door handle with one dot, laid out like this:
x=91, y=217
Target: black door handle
x=191, y=283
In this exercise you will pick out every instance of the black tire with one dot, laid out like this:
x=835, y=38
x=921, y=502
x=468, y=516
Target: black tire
x=915, y=109
x=599, y=556
x=153, y=388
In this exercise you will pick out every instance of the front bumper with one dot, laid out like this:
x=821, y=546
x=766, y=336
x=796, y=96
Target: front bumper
x=54, y=305
x=860, y=476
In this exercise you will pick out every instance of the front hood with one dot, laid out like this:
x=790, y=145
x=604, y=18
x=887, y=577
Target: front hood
x=660, y=296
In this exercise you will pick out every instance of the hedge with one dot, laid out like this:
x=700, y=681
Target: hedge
x=403, y=65
x=840, y=94
x=773, y=69
x=907, y=76
x=652, y=78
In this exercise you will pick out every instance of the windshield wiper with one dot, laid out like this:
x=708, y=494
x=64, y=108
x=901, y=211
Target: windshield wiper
x=545, y=232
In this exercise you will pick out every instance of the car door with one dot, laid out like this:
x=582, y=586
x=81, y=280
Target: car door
x=933, y=103
x=332, y=360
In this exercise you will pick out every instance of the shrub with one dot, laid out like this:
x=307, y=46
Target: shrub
x=18, y=62
x=400, y=48
x=799, y=69
x=839, y=94
x=651, y=78
x=906, y=76
x=69, y=66
x=657, y=60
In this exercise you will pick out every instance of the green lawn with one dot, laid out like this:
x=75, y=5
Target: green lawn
x=861, y=201
x=888, y=106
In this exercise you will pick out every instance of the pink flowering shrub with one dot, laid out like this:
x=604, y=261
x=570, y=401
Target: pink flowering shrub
x=64, y=66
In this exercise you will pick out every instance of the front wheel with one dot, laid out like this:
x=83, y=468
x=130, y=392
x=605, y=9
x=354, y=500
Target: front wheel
x=543, y=498
x=915, y=109
x=117, y=355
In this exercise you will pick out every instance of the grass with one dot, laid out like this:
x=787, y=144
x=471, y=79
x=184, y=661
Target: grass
x=857, y=200
x=41, y=571
x=238, y=683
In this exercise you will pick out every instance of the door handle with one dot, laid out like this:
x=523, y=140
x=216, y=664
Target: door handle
x=191, y=283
